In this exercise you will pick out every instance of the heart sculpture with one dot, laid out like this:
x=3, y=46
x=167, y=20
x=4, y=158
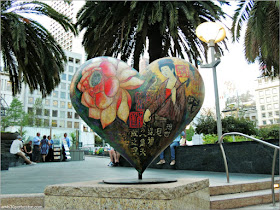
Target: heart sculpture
x=139, y=114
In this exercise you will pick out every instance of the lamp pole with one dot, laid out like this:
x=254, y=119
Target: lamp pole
x=218, y=115
x=212, y=33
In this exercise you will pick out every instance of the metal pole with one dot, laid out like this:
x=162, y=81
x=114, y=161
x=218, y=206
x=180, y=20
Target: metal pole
x=218, y=116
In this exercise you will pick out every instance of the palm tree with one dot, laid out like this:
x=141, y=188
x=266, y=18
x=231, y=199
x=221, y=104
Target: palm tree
x=122, y=28
x=262, y=33
x=29, y=51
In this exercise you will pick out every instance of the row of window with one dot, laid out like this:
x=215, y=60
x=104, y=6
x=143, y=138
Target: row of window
x=53, y=113
x=61, y=123
x=271, y=121
x=269, y=114
x=55, y=103
x=269, y=106
x=269, y=99
x=268, y=91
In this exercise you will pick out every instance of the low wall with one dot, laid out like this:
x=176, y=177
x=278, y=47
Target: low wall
x=242, y=157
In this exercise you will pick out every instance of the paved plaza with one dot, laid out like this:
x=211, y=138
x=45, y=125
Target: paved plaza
x=33, y=179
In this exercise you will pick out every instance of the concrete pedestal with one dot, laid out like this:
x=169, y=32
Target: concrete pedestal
x=183, y=194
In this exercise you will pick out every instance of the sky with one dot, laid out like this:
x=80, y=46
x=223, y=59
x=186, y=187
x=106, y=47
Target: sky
x=233, y=68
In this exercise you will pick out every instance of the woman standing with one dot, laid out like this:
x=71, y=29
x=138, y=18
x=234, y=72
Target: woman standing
x=50, y=153
x=44, y=145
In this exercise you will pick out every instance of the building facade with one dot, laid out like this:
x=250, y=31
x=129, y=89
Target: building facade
x=57, y=110
x=267, y=101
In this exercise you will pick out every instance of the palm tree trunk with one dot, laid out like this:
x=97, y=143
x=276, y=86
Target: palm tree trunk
x=155, y=42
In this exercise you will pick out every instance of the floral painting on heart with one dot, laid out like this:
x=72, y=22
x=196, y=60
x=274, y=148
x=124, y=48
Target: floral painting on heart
x=104, y=86
x=139, y=114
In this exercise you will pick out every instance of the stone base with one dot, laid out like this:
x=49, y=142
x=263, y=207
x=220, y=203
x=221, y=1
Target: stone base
x=183, y=194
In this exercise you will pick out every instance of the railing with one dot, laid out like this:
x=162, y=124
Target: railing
x=276, y=148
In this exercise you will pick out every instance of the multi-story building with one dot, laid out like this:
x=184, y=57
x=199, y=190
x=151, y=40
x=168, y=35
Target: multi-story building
x=267, y=100
x=57, y=110
x=67, y=40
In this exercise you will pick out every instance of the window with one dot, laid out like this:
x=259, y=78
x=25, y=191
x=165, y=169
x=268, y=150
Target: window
x=38, y=111
x=70, y=68
x=62, y=124
x=270, y=114
x=30, y=100
x=69, y=124
x=69, y=115
x=271, y=122
x=70, y=59
x=77, y=61
x=63, y=76
x=268, y=99
x=275, y=98
x=62, y=104
x=263, y=115
x=262, y=101
x=47, y=112
x=70, y=77
x=54, y=113
x=76, y=116
x=274, y=90
x=9, y=86
x=277, y=113
x=69, y=105
x=54, y=123
x=277, y=120
x=55, y=103
x=62, y=95
x=260, y=81
x=55, y=94
x=62, y=114
x=46, y=122
x=63, y=85
x=276, y=106
x=30, y=110
x=47, y=102
x=269, y=107
x=262, y=107
x=264, y=122
x=267, y=92
x=253, y=117
x=76, y=125
x=261, y=93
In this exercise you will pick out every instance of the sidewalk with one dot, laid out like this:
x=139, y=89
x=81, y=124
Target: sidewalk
x=33, y=179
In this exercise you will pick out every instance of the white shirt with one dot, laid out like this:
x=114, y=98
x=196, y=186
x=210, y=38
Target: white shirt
x=16, y=146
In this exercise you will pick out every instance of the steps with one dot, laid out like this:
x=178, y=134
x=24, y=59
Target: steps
x=231, y=196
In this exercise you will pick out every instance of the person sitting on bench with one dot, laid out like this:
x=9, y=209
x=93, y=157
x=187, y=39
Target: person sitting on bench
x=16, y=149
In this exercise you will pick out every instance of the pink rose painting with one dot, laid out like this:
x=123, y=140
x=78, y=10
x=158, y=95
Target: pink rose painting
x=104, y=86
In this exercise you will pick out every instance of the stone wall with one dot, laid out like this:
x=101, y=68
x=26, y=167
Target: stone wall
x=242, y=157
x=8, y=159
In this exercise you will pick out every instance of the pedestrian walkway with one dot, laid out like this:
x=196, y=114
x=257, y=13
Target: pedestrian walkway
x=33, y=179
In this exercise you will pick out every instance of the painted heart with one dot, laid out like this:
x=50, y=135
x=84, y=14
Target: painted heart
x=139, y=114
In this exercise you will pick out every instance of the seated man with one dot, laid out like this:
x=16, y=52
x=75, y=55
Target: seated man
x=16, y=149
x=28, y=149
x=174, y=144
x=115, y=157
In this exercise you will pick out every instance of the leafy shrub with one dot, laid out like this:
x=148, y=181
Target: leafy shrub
x=189, y=133
x=268, y=132
x=212, y=139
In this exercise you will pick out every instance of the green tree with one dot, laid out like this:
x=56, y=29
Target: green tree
x=262, y=33
x=208, y=125
x=122, y=28
x=15, y=115
x=29, y=51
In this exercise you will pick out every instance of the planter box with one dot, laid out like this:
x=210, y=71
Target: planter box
x=242, y=157
x=77, y=155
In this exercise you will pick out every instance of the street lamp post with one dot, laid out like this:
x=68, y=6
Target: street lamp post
x=212, y=33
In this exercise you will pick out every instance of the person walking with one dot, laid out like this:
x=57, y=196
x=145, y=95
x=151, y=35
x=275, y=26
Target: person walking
x=44, y=145
x=36, y=148
x=65, y=146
